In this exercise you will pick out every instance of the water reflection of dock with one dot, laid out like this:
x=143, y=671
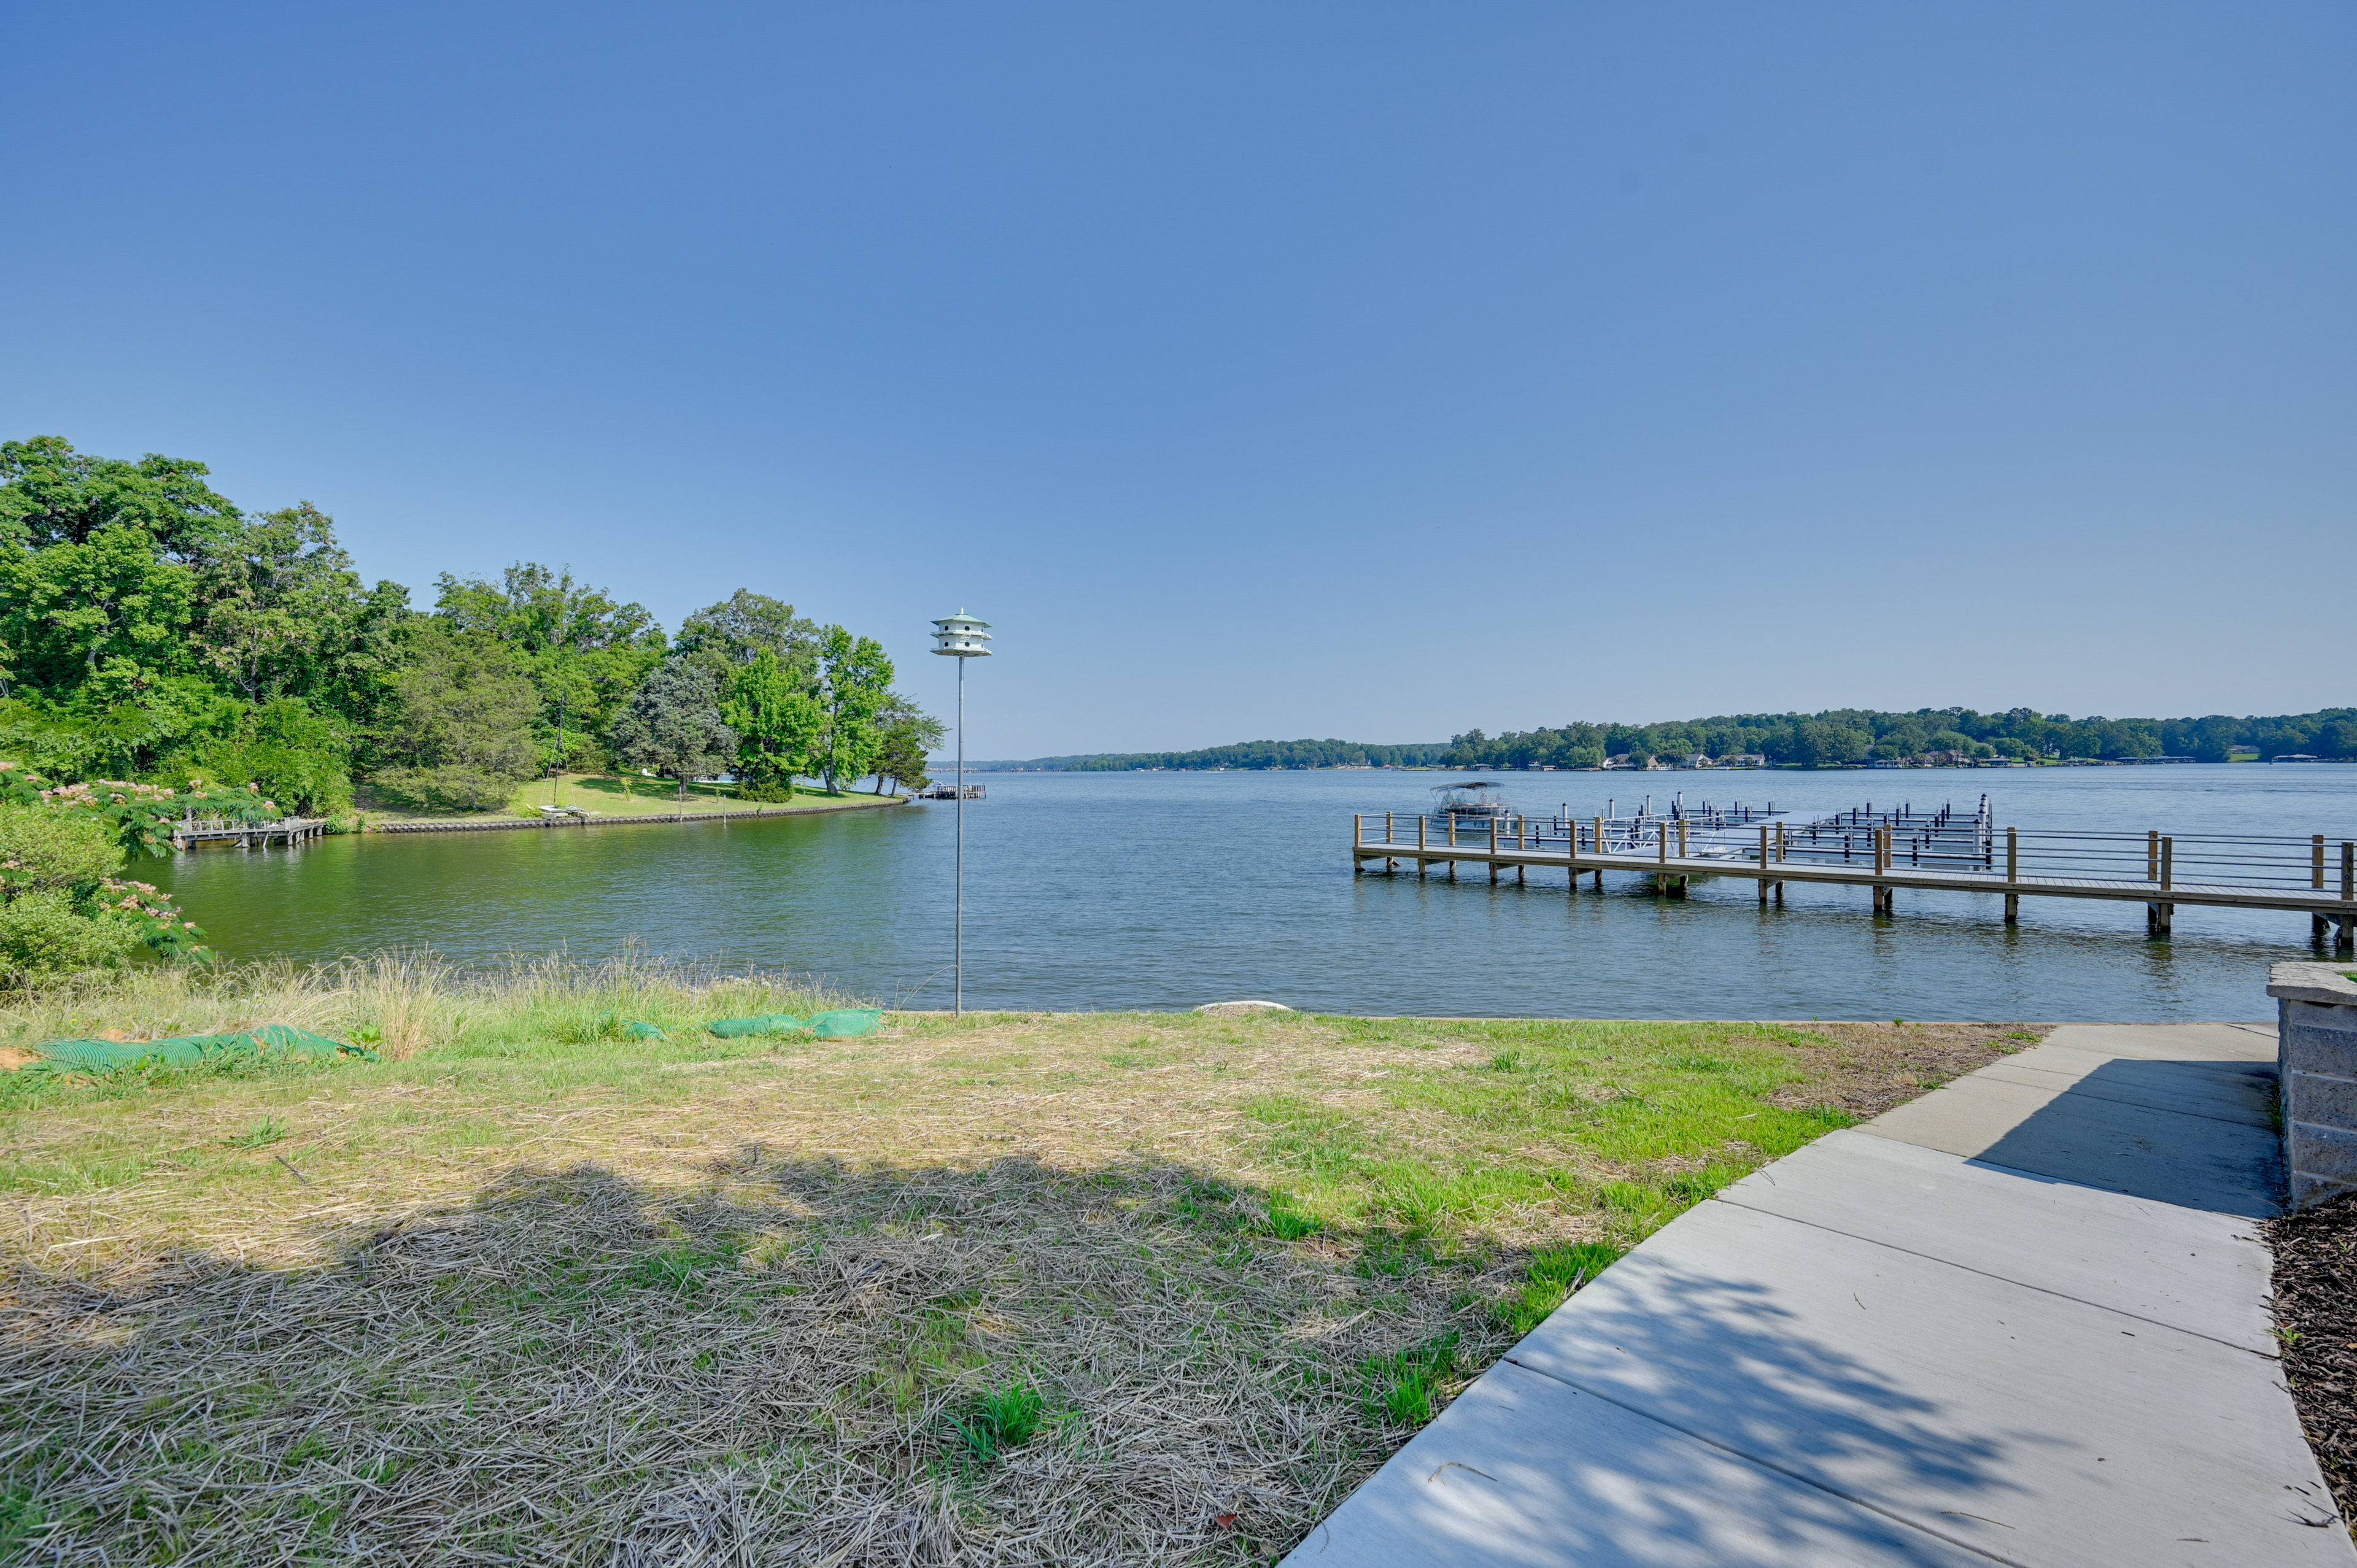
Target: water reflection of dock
x=1941, y=850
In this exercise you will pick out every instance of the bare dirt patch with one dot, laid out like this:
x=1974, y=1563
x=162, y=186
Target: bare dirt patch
x=1867, y=1069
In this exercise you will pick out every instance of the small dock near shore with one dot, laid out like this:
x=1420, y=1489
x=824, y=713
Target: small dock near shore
x=291, y=832
x=1933, y=850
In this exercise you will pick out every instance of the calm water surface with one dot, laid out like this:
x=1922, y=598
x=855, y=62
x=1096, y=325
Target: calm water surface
x=1163, y=890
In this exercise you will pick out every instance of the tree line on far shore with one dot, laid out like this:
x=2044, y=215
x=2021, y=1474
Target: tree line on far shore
x=1835, y=738
x=153, y=631
x=1843, y=737
x=1243, y=754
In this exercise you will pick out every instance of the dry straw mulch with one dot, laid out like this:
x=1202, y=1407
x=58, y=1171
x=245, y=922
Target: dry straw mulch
x=576, y=1369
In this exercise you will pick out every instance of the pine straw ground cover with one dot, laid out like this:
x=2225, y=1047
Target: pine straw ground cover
x=1051, y=1289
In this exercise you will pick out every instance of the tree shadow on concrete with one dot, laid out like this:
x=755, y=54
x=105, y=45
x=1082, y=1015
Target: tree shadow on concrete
x=2195, y=1134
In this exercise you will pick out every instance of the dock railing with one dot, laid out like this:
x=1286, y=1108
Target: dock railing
x=1963, y=851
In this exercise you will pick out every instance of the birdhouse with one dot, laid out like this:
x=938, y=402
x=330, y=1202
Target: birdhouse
x=962, y=636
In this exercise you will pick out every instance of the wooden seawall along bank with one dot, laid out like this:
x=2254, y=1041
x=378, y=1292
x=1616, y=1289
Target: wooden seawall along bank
x=2311, y=875
x=509, y=824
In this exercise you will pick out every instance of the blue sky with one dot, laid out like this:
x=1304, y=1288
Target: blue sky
x=1261, y=370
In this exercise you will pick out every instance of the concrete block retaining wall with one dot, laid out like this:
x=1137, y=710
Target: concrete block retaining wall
x=2316, y=1013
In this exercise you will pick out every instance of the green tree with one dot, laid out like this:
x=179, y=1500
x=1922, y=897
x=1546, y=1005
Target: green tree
x=104, y=617
x=287, y=749
x=461, y=735
x=585, y=652
x=672, y=725
x=778, y=719
x=2212, y=739
x=855, y=684
x=906, y=735
x=50, y=494
x=744, y=626
x=280, y=610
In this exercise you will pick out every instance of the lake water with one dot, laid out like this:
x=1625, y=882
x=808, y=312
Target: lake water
x=1164, y=890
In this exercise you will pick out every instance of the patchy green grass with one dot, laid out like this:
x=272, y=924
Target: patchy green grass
x=1030, y=1288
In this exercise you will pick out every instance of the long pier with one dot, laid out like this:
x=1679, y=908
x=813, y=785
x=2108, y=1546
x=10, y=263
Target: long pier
x=1941, y=851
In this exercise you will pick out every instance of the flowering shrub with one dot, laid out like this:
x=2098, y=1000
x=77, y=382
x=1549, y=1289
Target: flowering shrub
x=62, y=908
x=142, y=814
x=158, y=922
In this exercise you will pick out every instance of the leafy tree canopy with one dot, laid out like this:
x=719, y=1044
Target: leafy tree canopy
x=746, y=625
x=461, y=736
x=51, y=494
x=672, y=725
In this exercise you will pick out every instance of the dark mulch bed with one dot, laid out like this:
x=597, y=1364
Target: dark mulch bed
x=2316, y=1315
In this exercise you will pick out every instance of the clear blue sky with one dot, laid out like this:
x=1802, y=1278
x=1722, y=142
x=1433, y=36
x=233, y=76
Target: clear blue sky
x=1261, y=370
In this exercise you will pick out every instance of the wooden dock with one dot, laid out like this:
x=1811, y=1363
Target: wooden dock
x=1933, y=851
x=290, y=832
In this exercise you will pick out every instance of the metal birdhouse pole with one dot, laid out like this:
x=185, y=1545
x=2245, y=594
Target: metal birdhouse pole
x=961, y=638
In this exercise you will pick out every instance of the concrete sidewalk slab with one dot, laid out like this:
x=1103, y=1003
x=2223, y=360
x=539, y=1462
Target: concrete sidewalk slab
x=1525, y=1472
x=2197, y=1162
x=2081, y=1059
x=2247, y=1042
x=2244, y=1097
x=2023, y=1317
x=2015, y=1421
x=2205, y=1273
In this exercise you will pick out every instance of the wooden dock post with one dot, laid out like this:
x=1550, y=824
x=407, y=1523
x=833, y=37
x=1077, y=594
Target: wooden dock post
x=1358, y=837
x=1763, y=862
x=1494, y=851
x=2347, y=940
x=1421, y=823
x=2159, y=916
x=1597, y=844
x=2318, y=925
x=2012, y=875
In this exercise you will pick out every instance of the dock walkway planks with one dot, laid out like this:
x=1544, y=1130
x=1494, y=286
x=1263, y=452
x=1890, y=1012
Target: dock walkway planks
x=2019, y=1320
x=2216, y=895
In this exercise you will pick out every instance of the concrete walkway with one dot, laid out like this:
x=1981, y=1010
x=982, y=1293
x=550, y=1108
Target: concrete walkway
x=2022, y=1319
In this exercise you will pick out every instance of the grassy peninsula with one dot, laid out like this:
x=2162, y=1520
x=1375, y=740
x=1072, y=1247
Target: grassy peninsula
x=1043, y=1288
x=617, y=795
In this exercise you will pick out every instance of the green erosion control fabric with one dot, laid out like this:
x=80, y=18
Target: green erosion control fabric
x=843, y=1024
x=759, y=1024
x=632, y=1029
x=278, y=1042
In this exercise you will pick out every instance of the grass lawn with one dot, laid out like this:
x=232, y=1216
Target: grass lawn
x=606, y=795
x=1135, y=1287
